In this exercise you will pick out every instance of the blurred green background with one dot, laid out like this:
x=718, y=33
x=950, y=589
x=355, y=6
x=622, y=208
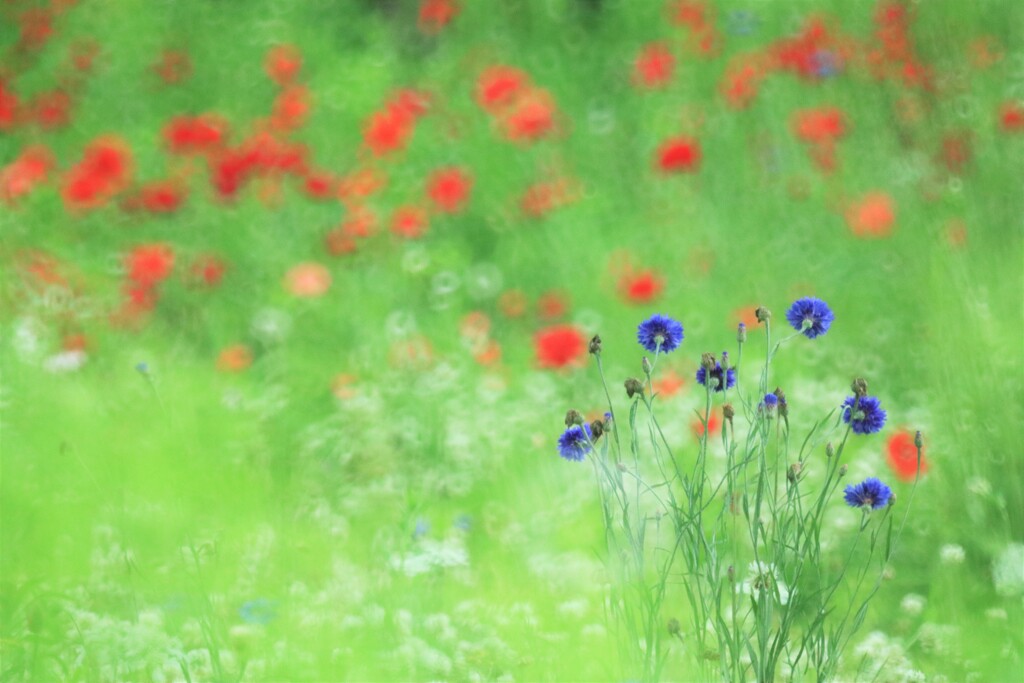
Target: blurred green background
x=224, y=480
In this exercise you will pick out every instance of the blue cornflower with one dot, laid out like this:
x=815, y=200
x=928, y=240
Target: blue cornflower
x=810, y=316
x=869, y=416
x=660, y=330
x=770, y=401
x=869, y=493
x=573, y=444
x=717, y=375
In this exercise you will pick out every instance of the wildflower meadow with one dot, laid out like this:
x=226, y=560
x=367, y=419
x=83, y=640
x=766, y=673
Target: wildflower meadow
x=512, y=340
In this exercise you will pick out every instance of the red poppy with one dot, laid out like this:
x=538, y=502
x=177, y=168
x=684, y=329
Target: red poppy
x=668, y=383
x=148, y=265
x=902, y=456
x=234, y=358
x=104, y=171
x=531, y=118
x=552, y=305
x=873, y=216
x=653, y=66
x=500, y=86
x=740, y=83
x=319, y=185
x=714, y=425
x=29, y=169
x=9, y=106
x=282, y=64
x=162, y=196
x=821, y=125
x=691, y=13
x=207, y=270
x=307, y=280
x=560, y=346
x=409, y=222
x=679, y=155
x=1011, y=117
x=448, y=189
x=388, y=131
x=291, y=108
x=434, y=15
x=195, y=134
x=641, y=287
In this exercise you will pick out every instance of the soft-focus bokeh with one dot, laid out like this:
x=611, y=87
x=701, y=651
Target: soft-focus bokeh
x=295, y=296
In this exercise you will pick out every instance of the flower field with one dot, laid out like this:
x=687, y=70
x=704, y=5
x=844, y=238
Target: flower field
x=382, y=340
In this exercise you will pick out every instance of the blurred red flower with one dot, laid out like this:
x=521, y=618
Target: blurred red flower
x=234, y=358
x=531, y=118
x=9, y=106
x=434, y=15
x=824, y=124
x=873, y=216
x=148, y=265
x=902, y=456
x=448, y=189
x=679, y=155
x=641, y=287
x=552, y=305
x=207, y=270
x=653, y=66
x=500, y=86
x=409, y=222
x=104, y=171
x=282, y=64
x=29, y=169
x=307, y=280
x=1011, y=117
x=559, y=346
x=195, y=134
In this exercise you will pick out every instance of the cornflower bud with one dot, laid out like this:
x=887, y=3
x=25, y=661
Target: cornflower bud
x=573, y=417
x=859, y=387
x=707, y=361
x=646, y=366
x=673, y=627
x=634, y=387
x=762, y=314
x=728, y=412
x=892, y=500
x=830, y=451
x=597, y=429
x=741, y=333
x=843, y=470
x=794, y=472
x=918, y=440
x=783, y=407
x=595, y=345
